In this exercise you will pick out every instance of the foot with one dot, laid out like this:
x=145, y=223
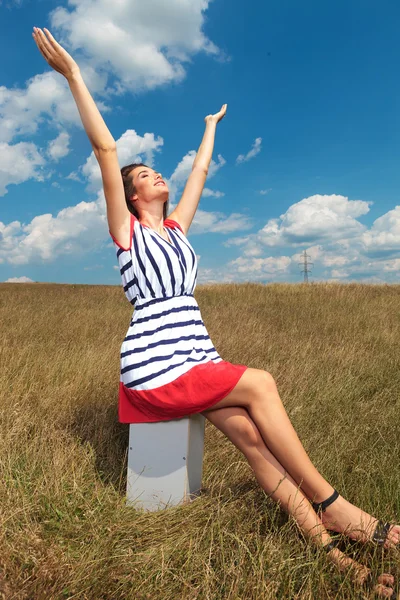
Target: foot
x=343, y=517
x=384, y=587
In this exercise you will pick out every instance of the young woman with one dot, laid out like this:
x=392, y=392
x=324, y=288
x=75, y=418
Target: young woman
x=169, y=366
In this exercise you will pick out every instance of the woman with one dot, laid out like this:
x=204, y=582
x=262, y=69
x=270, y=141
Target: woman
x=169, y=367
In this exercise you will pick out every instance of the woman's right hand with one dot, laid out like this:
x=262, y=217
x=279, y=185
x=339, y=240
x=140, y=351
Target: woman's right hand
x=54, y=53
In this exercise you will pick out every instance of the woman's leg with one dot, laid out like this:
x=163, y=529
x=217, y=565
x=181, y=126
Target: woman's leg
x=238, y=426
x=256, y=391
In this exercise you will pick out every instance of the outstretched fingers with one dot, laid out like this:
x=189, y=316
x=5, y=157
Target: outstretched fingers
x=51, y=40
x=45, y=43
x=39, y=43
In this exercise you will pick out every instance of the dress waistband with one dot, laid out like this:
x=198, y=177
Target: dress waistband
x=139, y=305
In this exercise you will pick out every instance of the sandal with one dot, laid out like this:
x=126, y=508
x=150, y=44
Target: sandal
x=381, y=530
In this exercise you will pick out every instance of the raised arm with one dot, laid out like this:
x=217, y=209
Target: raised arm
x=102, y=142
x=189, y=201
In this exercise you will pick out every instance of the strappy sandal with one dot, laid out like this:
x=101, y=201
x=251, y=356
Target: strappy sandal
x=381, y=530
x=370, y=582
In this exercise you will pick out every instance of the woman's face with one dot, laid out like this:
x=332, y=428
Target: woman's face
x=149, y=185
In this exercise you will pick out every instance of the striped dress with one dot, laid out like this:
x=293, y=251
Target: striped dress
x=169, y=366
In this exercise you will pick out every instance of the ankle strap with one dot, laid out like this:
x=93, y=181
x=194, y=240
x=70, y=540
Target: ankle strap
x=332, y=544
x=322, y=506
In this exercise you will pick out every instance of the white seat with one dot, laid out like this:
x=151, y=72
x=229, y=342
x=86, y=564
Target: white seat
x=165, y=462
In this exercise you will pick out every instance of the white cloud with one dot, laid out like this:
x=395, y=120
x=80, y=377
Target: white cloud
x=74, y=230
x=260, y=267
x=265, y=192
x=131, y=148
x=340, y=243
x=317, y=218
x=384, y=236
x=145, y=44
x=79, y=229
x=218, y=222
x=184, y=168
x=45, y=96
x=247, y=269
x=339, y=273
x=59, y=147
x=255, y=149
x=19, y=162
x=207, y=193
x=22, y=279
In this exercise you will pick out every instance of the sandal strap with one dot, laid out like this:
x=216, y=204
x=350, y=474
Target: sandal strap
x=332, y=544
x=381, y=532
x=322, y=506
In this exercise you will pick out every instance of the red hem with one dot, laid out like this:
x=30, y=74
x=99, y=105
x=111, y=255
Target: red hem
x=133, y=218
x=193, y=392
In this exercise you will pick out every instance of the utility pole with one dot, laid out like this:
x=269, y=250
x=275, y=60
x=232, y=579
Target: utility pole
x=305, y=264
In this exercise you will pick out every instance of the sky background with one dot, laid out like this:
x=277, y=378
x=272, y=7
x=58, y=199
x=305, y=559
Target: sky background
x=306, y=158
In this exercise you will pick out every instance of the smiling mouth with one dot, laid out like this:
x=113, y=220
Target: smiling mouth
x=159, y=183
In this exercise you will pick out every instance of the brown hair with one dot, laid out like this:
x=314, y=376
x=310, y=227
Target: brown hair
x=130, y=189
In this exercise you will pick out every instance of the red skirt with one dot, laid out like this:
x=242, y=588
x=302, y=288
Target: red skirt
x=200, y=388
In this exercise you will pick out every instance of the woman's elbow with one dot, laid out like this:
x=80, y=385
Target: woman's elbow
x=100, y=149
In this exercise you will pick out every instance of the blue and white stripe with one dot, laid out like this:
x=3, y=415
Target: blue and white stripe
x=167, y=336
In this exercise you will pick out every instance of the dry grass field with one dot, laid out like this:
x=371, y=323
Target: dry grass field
x=65, y=532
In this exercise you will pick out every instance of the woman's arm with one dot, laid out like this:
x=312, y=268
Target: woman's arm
x=103, y=143
x=189, y=201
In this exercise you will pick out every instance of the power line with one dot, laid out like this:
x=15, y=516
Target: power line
x=305, y=264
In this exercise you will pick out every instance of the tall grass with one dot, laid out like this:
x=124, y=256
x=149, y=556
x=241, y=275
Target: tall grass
x=65, y=531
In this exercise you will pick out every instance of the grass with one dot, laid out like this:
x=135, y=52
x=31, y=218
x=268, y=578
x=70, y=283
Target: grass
x=65, y=532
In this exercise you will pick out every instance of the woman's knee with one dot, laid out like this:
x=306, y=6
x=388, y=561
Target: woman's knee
x=263, y=383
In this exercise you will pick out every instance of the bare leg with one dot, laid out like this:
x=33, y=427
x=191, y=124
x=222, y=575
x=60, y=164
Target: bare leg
x=279, y=435
x=236, y=423
x=256, y=391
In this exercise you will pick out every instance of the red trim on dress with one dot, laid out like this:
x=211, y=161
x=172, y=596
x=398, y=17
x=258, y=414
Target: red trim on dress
x=171, y=224
x=193, y=392
x=133, y=219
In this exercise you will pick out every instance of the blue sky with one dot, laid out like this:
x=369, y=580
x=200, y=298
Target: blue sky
x=305, y=159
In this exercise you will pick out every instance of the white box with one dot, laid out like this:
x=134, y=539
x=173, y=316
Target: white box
x=165, y=462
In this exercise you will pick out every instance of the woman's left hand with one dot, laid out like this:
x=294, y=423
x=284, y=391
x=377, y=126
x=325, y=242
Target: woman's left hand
x=217, y=117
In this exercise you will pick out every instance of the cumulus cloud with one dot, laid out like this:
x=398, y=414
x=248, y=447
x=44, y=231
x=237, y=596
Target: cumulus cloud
x=144, y=44
x=260, y=267
x=73, y=231
x=207, y=193
x=319, y=217
x=46, y=97
x=242, y=269
x=255, y=149
x=19, y=162
x=59, y=147
x=340, y=245
x=131, y=148
x=218, y=222
x=383, y=238
x=22, y=279
x=183, y=170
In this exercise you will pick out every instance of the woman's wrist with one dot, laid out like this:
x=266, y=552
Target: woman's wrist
x=74, y=75
x=210, y=122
